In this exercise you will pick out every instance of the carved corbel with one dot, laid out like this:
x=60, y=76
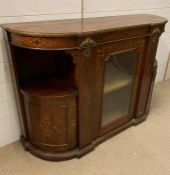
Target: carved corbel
x=156, y=32
x=86, y=45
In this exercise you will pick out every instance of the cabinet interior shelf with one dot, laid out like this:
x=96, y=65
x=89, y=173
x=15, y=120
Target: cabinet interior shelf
x=116, y=79
x=46, y=87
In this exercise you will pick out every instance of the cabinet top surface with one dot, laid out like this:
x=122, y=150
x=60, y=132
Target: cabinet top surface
x=78, y=27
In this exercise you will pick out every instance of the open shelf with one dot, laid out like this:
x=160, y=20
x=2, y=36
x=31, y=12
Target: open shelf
x=115, y=79
x=42, y=65
x=49, y=87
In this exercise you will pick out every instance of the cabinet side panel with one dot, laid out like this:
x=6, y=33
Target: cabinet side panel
x=149, y=59
x=154, y=71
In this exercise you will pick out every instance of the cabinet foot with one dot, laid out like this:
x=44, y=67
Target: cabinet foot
x=137, y=121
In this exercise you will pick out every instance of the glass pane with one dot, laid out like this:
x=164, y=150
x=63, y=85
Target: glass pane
x=119, y=74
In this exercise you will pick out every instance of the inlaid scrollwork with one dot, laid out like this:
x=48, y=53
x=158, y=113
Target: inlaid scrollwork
x=47, y=127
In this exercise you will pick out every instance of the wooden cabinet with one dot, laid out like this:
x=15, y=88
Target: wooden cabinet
x=54, y=127
x=79, y=82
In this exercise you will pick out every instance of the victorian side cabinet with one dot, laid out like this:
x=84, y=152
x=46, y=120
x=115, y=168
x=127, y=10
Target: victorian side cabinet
x=79, y=82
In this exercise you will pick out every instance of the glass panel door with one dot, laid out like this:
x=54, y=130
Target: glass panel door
x=118, y=80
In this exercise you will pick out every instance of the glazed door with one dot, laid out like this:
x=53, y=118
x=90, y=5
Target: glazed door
x=119, y=74
x=108, y=80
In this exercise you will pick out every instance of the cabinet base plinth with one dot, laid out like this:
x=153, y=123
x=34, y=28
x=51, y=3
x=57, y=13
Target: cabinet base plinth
x=78, y=153
x=46, y=155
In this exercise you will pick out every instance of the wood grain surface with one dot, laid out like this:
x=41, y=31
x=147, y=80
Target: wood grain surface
x=76, y=27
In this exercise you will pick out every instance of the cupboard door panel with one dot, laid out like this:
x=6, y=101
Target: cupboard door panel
x=119, y=74
x=119, y=84
x=52, y=128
